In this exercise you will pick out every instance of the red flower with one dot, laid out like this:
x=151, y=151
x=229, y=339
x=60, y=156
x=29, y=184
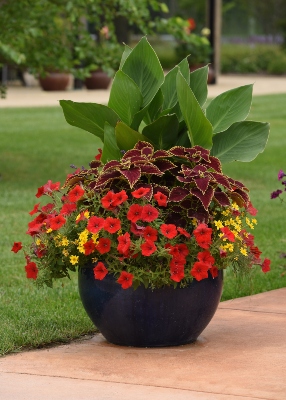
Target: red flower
x=35, y=209
x=179, y=250
x=169, y=230
x=48, y=207
x=222, y=253
x=228, y=234
x=40, y=191
x=103, y=245
x=177, y=262
x=40, y=251
x=255, y=251
x=148, y=248
x=137, y=229
x=134, y=213
x=191, y=24
x=95, y=224
x=206, y=257
x=140, y=192
x=98, y=156
x=125, y=279
x=149, y=213
x=182, y=231
x=124, y=243
x=112, y=225
x=31, y=270
x=214, y=271
x=247, y=238
x=177, y=274
x=100, y=271
x=68, y=208
x=251, y=210
x=89, y=247
x=50, y=187
x=119, y=198
x=266, y=265
x=75, y=194
x=150, y=234
x=161, y=199
x=202, y=232
x=57, y=222
x=107, y=200
x=17, y=246
x=199, y=270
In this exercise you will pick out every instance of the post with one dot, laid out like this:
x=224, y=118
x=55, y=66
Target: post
x=214, y=24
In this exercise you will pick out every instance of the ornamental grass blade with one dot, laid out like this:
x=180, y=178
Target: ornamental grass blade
x=125, y=97
x=242, y=141
x=90, y=117
x=229, y=107
x=143, y=66
x=199, y=128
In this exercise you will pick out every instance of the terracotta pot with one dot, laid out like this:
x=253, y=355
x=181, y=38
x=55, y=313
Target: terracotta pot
x=143, y=317
x=97, y=80
x=54, y=81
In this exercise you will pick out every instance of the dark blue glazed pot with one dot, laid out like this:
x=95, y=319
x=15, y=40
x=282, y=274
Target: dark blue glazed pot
x=146, y=318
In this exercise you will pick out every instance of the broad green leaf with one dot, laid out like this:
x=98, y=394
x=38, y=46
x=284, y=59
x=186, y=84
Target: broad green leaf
x=163, y=132
x=185, y=69
x=199, y=128
x=110, y=149
x=229, y=107
x=125, y=54
x=169, y=90
x=89, y=116
x=138, y=117
x=143, y=66
x=198, y=84
x=126, y=137
x=242, y=141
x=183, y=140
x=125, y=97
x=155, y=106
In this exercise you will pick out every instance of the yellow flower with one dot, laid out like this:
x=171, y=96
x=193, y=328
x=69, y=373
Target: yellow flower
x=49, y=230
x=94, y=260
x=65, y=241
x=218, y=224
x=226, y=212
x=235, y=206
x=254, y=221
x=65, y=252
x=83, y=236
x=95, y=238
x=38, y=242
x=229, y=247
x=243, y=251
x=81, y=249
x=86, y=214
x=73, y=260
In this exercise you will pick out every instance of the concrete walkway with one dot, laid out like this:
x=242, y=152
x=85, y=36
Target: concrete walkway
x=241, y=355
x=34, y=96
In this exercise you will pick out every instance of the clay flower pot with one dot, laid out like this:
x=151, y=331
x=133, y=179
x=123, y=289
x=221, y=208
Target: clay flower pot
x=97, y=80
x=54, y=81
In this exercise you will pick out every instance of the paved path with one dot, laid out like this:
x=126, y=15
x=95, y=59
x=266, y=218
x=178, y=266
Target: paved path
x=241, y=355
x=34, y=96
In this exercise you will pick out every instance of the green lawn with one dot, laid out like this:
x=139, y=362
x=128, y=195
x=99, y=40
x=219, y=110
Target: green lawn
x=36, y=145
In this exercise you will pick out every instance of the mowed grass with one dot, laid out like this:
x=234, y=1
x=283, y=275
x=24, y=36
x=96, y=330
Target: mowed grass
x=37, y=144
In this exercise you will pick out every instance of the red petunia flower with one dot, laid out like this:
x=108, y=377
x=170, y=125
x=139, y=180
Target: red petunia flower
x=206, y=257
x=31, y=270
x=148, y=248
x=182, y=231
x=98, y=156
x=137, y=229
x=204, y=244
x=140, y=192
x=177, y=274
x=35, y=209
x=112, y=225
x=100, y=271
x=107, y=200
x=119, y=198
x=214, y=271
x=222, y=252
x=149, y=213
x=125, y=279
x=177, y=262
x=255, y=251
x=76, y=194
x=228, y=234
x=123, y=243
x=199, y=270
x=150, y=234
x=179, y=250
x=57, y=222
x=68, y=208
x=266, y=265
x=169, y=230
x=103, y=245
x=40, y=251
x=134, y=212
x=89, y=247
x=95, y=224
x=17, y=246
x=161, y=199
x=40, y=192
x=251, y=210
x=48, y=208
x=50, y=187
x=202, y=232
x=247, y=238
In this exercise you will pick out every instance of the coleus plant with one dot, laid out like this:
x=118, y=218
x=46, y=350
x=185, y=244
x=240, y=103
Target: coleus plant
x=167, y=111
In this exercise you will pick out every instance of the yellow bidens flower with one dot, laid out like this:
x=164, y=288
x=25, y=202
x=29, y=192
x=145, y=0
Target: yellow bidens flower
x=65, y=252
x=74, y=260
x=38, y=242
x=86, y=214
x=64, y=242
x=235, y=206
x=49, y=230
x=243, y=251
x=218, y=224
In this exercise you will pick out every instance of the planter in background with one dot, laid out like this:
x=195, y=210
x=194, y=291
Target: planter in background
x=54, y=81
x=146, y=318
x=97, y=80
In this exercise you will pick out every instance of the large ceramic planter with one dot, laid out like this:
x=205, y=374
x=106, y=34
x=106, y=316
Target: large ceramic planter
x=54, y=81
x=97, y=80
x=146, y=318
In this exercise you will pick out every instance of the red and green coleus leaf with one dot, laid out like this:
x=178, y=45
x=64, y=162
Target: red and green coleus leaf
x=202, y=183
x=164, y=165
x=221, y=179
x=221, y=198
x=178, y=194
x=132, y=175
x=104, y=178
x=199, y=214
x=205, y=198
